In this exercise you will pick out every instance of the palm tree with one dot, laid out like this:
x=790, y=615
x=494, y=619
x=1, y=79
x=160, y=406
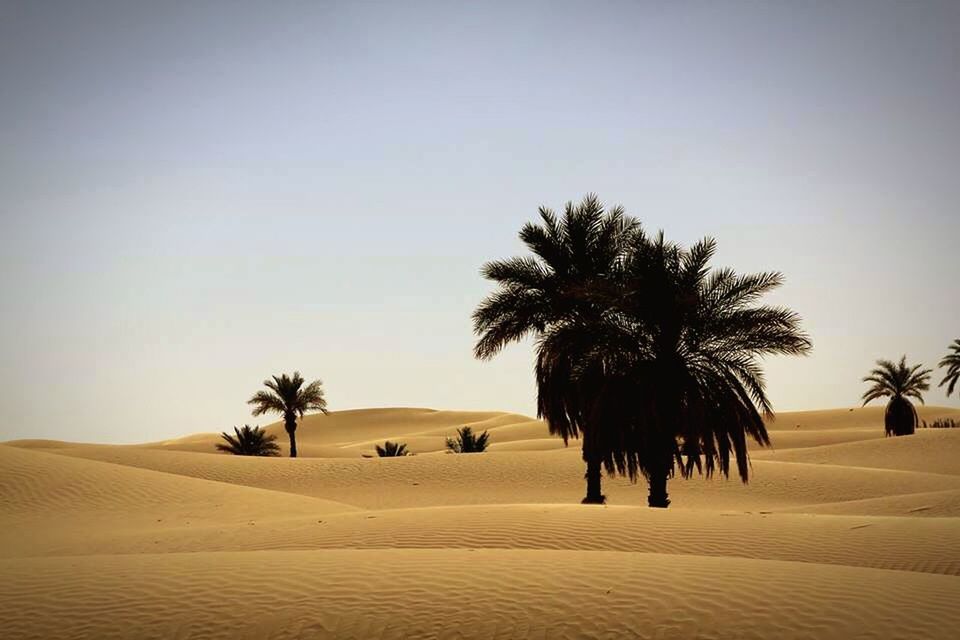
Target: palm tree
x=899, y=382
x=641, y=349
x=249, y=442
x=951, y=362
x=565, y=285
x=468, y=442
x=392, y=449
x=288, y=396
x=683, y=386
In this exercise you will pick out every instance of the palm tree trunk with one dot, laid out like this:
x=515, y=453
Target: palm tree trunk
x=664, y=444
x=594, y=496
x=293, y=443
x=290, y=424
x=658, y=490
x=659, y=473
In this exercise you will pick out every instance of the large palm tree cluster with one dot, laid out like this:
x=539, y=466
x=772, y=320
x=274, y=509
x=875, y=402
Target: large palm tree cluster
x=642, y=351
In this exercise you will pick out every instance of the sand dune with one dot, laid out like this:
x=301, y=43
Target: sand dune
x=36, y=481
x=48, y=500
x=931, y=545
x=519, y=477
x=929, y=450
x=355, y=432
x=391, y=593
x=931, y=504
x=839, y=531
x=866, y=418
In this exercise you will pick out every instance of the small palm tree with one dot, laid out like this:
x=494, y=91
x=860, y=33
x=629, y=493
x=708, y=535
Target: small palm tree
x=468, y=442
x=951, y=362
x=899, y=382
x=288, y=396
x=249, y=442
x=392, y=449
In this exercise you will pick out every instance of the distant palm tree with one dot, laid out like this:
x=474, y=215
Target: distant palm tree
x=951, y=362
x=468, y=442
x=680, y=380
x=899, y=382
x=392, y=449
x=249, y=442
x=565, y=286
x=288, y=396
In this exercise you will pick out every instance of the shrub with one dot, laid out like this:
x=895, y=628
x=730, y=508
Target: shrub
x=942, y=423
x=249, y=441
x=392, y=450
x=468, y=442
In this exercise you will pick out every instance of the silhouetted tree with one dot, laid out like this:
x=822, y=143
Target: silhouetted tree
x=392, y=449
x=899, y=382
x=288, y=396
x=641, y=350
x=951, y=362
x=249, y=442
x=680, y=382
x=468, y=442
x=565, y=285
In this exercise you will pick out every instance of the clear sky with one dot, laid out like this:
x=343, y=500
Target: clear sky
x=194, y=196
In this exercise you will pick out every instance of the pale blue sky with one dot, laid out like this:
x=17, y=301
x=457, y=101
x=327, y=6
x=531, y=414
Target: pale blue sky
x=193, y=197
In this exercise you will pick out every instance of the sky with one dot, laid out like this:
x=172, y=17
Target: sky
x=195, y=196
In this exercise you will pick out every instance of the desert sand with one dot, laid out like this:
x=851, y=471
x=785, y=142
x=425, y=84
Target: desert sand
x=841, y=533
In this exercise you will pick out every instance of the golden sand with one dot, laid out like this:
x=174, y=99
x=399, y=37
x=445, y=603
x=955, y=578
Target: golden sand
x=841, y=533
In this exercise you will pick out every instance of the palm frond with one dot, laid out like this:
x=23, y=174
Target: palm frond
x=951, y=362
x=266, y=402
x=523, y=273
x=508, y=316
x=572, y=257
x=288, y=396
x=694, y=265
x=311, y=398
x=896, y=380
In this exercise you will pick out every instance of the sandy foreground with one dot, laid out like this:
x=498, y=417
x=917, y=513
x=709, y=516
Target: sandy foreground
x=841, y=533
